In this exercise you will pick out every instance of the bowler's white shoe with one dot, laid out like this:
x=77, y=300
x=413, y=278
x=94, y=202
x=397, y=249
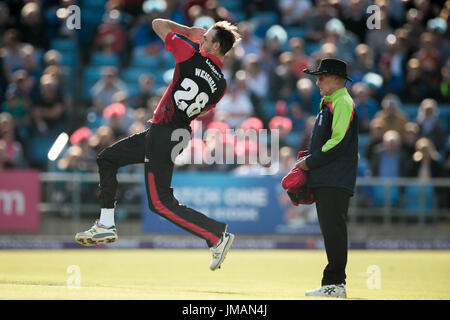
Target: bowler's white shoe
x=97, y=234
x=219, y=251
x=331, y=291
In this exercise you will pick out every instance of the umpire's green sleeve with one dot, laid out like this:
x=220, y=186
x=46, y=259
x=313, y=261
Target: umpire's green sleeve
x=342, y=109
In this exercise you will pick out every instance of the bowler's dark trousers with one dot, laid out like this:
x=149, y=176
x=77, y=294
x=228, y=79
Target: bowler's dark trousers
x=332, y=207
x=154, y=147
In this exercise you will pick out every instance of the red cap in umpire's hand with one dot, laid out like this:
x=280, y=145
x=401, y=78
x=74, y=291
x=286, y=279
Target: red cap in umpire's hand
x=330, y=66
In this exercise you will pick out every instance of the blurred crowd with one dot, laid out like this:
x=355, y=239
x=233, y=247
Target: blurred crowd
x=103, y=81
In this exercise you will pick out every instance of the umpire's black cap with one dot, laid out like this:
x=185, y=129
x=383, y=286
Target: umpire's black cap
x=330, y=66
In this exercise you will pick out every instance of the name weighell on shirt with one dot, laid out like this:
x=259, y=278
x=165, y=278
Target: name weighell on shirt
x=205, y=75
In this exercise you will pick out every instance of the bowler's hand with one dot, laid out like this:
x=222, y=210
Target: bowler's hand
x=301, y=163
x=196, y=34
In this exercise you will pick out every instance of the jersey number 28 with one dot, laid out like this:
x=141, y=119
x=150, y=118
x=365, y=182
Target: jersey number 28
x=190, y=93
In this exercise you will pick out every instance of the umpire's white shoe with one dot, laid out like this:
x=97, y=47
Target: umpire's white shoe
x=331, y=291
x=219, y=251
x=97, y=234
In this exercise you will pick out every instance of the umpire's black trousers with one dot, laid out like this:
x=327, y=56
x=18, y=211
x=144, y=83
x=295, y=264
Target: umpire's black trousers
x=154, y=147
x=332, y=206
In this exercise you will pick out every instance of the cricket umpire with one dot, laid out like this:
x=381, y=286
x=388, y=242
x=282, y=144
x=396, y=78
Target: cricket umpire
x=331, y=164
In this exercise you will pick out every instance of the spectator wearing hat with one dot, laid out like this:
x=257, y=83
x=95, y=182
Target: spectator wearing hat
x=115, y=115
x=438, y=29
x=102, y=92
x=331, y=163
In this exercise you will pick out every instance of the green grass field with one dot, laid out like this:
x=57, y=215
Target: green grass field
x=245, y=274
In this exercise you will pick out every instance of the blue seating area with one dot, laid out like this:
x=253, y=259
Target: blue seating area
x=90, y=76
x=64, y=45
x=100, y=59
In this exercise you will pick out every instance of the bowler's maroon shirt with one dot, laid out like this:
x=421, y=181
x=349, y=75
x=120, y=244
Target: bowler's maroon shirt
x=197, y=85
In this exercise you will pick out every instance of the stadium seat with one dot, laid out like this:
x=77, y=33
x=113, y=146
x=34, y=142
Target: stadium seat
x=64, y=45
x=39, y=147
x=311, y=47
x=133, y=89
x=69, y=58
x=293, y=139
x=231, y=5
x=262, y=21
x=131, y=75
x=296, y=32
x=363, y=140
x=90, y=76
x=410, y=110
x=269, y=109
x=93, y=4
x=100, y=59
x=413, y=198
x=380, y=199
x=141, y=61
x=90, y=18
